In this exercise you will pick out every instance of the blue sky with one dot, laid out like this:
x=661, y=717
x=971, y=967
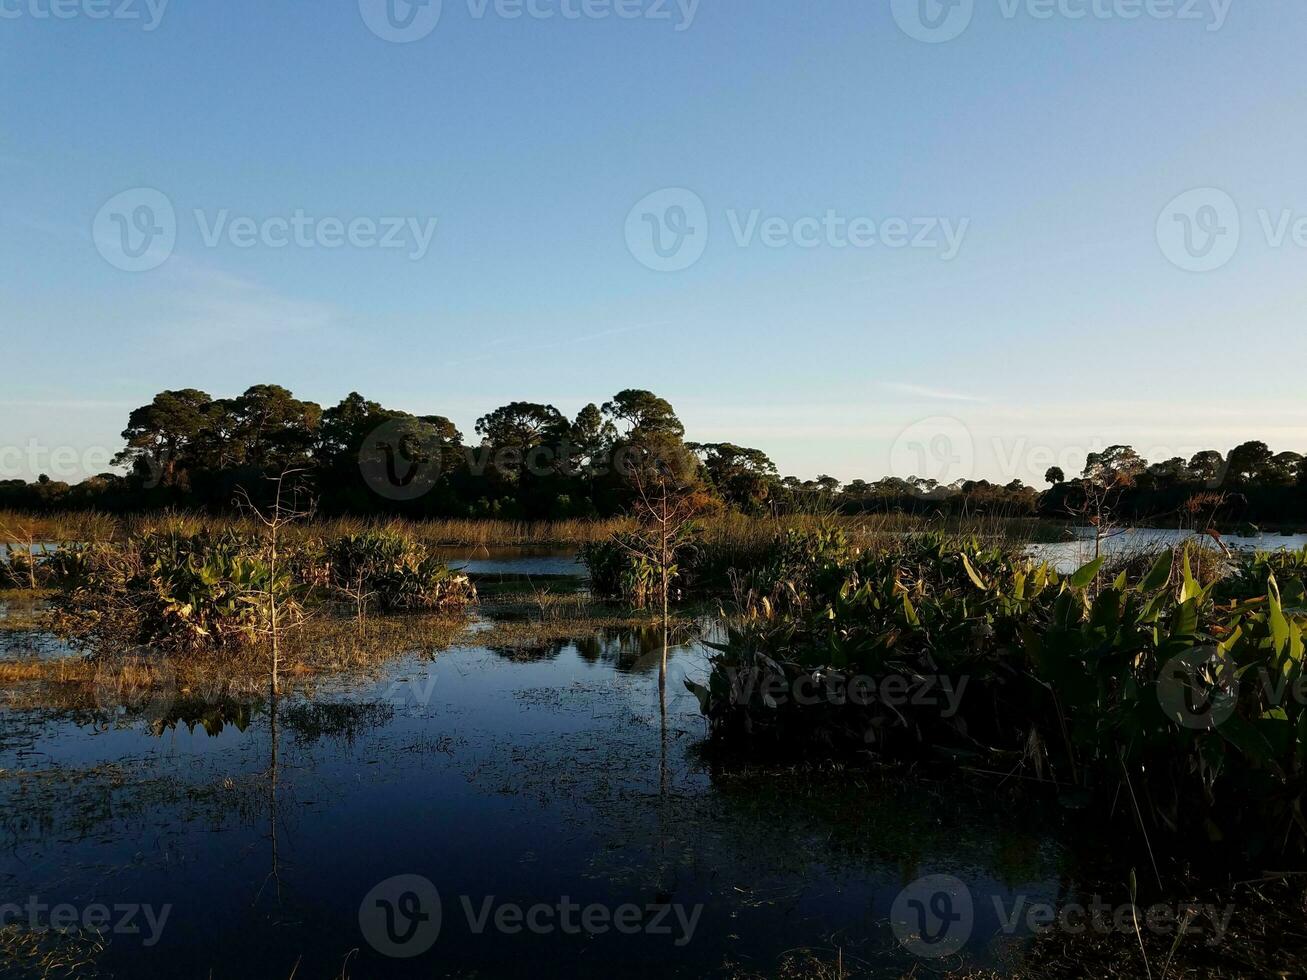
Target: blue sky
x=1064, y=322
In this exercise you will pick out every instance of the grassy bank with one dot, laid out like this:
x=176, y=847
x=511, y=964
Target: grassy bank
x=725, y=529
x=322, y=647
x=91, y=526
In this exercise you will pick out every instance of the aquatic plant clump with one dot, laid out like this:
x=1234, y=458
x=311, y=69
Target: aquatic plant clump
x=23, y=566
x=1181, y=699
x=389, y=569
x=769, y=568
x=177, y=591
x=170, y=591
x=618, y=572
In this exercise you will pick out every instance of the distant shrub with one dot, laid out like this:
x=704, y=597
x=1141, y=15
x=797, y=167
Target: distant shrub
x=22, y=567
x=776, y=569
x=618, y=571
x=389, y=569
x=169, y=590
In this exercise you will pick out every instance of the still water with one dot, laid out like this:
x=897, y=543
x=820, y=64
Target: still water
x=512, y=562
x=1070, y=554
x=520, y=776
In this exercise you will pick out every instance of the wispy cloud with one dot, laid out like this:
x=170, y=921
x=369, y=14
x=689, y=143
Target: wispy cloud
x=70, y=404
x=206, y=301
x=505, y=350
x=934, y=394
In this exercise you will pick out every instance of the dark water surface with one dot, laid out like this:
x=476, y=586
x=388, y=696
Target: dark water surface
x=514, y=562
x=501, y=776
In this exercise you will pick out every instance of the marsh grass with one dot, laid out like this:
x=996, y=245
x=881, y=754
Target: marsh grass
x=811, y=964
x=326, y=646
x=736, y=529
x=550, y=604
x=1208, y=562
x=71, y=526
x=1266, y=938
x=92, y=526
x=24, y=611
x=872, y=531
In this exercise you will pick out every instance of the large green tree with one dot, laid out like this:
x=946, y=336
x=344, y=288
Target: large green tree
x=163, y=437
x=643, y=414
x=742, y=476
x=1249, y=461
x=1114, y=466
x=271, y=429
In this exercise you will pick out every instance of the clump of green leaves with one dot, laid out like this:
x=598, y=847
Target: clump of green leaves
x=171, y=591
x=1184, y=699
x=618, y=570
x=388, y=569
x=775, y=571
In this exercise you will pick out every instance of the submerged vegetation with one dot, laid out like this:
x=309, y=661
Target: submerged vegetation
x=137, y=681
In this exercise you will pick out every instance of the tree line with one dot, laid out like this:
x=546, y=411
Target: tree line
x=527, y=460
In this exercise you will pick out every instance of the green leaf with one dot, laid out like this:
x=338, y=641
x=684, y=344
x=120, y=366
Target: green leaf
x=1160, y=573
x=972, y=574
x=1185, y=622
x=1087, y=573
x=1191, y=589
x=1251, y=743
x=1279, y=625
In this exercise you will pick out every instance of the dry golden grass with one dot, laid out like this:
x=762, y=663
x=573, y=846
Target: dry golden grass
x=324, y=646
x=23, y=610
x=865, y=530
x=73, y=526
x=91, y=526
x=67, y=670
